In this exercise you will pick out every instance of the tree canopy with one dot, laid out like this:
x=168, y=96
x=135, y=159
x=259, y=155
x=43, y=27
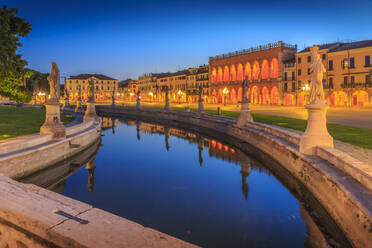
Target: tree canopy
x=12, y=66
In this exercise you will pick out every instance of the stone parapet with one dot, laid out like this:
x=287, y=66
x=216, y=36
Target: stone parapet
x=347, y=199
x=29, y=218
x=41, y=151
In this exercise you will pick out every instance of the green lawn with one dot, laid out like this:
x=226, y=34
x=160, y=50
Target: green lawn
x=353, y=135
x=21, y=121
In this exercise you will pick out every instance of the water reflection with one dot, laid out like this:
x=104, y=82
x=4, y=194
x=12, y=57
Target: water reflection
x=152, y=204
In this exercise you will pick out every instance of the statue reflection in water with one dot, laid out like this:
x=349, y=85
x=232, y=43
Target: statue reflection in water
x=167, y=135
x=90, y=167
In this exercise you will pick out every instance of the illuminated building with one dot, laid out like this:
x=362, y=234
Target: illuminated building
x=263, y=66
x=104, y=86
x=183, y=85
x=127, y=90
x=347, y=81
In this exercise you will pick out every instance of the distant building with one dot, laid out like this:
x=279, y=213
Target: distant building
x=183, y=85
x=347, y=80
x=264, y=68
x=104, y=86
x=128, y=89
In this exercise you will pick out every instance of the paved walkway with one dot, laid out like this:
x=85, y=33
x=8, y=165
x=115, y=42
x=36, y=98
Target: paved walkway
x=358, y=117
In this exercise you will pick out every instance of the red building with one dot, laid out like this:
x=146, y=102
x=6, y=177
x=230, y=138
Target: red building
x=264, y=68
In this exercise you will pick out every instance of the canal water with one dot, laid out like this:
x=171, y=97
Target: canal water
x=191, y=186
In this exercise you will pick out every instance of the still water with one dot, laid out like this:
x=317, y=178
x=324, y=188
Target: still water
x=188, y=185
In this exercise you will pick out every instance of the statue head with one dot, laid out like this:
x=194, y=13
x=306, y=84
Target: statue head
x=314, y=51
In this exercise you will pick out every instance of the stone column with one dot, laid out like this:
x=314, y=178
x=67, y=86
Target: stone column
x=79, y=107
x=167, y=106
x=138, y=104
x=113, y=98
x=90, y=113
x=52, y=124
x=316, y=133
x=245, y=114
x=201, y=105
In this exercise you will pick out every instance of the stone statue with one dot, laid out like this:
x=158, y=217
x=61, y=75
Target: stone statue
x=245, y=114
x=52, y=124
x=245, y=87
x=167, y=106
x=54, y=83
x=316, y=85
x=91, y=91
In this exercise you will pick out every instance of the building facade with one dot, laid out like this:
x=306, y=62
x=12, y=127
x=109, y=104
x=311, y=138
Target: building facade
x=347, y=80
x=263, y=66
x=183, y=86
x=104, y=87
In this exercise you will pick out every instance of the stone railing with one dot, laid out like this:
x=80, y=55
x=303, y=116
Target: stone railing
x=253, y=50
x=346, y=198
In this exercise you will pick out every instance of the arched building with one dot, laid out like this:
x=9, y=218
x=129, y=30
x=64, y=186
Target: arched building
x=264, y=68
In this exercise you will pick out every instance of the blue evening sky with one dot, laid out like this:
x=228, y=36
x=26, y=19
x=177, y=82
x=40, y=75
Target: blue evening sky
x=124, y=39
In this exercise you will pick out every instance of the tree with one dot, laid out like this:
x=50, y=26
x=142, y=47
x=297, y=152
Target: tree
x=12, y=66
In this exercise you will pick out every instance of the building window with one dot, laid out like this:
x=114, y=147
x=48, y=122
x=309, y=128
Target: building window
x=285, y=87
x=308, y=59
x=308, y=71
x=324, y=84
x=324, y=56
x=345, y=80
x=352, y=64
x=331, y=83
x=285, y=76
x=352, y=79
x=299, y=85
x=367, y=61
x=299, y=72
x=293, y=86
x=368, y=79
x=330, y=65
x=299, y=60
x=293, y=75
x=345, y=63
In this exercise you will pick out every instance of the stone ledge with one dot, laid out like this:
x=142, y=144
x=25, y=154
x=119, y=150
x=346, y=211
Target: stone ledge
x=32, y=209
x=27, y=161
x=23, y=142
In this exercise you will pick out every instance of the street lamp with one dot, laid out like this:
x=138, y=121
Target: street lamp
x=306, y=89
x=151, y=95
x=179, y=96
x=225, y=91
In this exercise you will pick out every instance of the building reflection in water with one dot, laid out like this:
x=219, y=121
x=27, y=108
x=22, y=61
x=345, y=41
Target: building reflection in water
x=55, y=177
x=217, y=149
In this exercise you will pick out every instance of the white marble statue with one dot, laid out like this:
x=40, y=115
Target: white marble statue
x=54, y=83
x=316, y=85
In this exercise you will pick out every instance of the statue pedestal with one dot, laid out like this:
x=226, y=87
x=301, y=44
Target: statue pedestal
x=316, y=133
x=201, y=107
x=52, y=124
x=245, y=115
x=138, y=104
x=167, y=106
x=90, y=113
x=79, y=107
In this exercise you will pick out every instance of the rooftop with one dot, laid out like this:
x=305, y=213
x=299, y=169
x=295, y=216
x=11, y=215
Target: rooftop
x=87, y=76
x=253, y=50
x=341, y=46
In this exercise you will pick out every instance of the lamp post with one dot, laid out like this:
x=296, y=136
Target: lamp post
x=179, y=96
x=225, y=91
x=306, y=89
x=151, y=96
